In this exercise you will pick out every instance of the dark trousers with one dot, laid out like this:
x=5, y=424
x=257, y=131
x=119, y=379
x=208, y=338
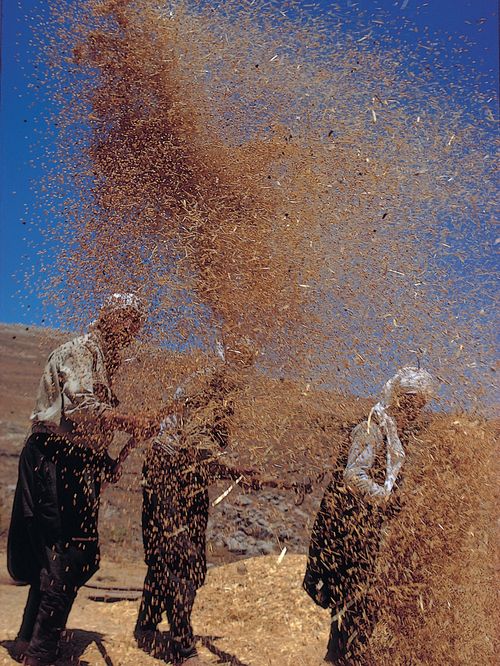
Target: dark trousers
x=350, y=630
x=49, y=602
x=164, y=591
x=30, y=614
x=53, y=536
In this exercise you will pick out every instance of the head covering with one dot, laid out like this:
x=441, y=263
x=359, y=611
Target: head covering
x=126, y=301
x=408, y=380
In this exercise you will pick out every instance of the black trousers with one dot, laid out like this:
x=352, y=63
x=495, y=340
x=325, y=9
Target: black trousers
x=350, y=630
x=53, y=536
x=164, y=591
x=50, y=601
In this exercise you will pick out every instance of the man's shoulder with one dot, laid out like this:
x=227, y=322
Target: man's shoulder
x=80, y=344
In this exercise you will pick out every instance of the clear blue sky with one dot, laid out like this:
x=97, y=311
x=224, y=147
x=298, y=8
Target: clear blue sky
x=469, y=23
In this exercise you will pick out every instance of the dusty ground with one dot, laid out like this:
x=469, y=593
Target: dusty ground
x=286, y=628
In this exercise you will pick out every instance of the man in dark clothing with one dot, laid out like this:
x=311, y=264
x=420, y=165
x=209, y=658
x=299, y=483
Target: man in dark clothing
x=53, y=538
x=181, y=463
x=346, y=535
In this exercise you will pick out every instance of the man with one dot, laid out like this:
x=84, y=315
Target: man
x=182, y=461
x=53, y=538
x=346, y=534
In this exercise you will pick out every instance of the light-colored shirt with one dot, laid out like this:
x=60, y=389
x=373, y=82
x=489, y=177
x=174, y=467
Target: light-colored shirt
x=367, y=444
x=170, y=434
x=191, y=424
x=73, y=393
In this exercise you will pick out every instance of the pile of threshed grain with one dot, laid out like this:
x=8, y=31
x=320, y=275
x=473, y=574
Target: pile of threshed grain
x=437, y=582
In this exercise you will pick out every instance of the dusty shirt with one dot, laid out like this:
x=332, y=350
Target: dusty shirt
x=73, y=393
x=201, y=418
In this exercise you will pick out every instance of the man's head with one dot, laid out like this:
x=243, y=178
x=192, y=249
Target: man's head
x=121, y=318
x=239, y=354
x=407, y=393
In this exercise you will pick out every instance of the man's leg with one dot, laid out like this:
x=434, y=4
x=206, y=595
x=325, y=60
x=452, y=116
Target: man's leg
x=350, y=632
x=66, y=570
x=150, y=613
x=30, y=613
x=339, y=640
x=180, y=598
x=28, y=622
x=364, y=624
x=151, y=608
x=56, y=600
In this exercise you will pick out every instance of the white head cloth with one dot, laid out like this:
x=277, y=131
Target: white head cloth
x=408, y=380
x=126, y=301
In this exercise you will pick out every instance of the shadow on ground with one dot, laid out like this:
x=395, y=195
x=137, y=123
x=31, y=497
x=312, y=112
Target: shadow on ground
x=162, y=651
x=73, y=645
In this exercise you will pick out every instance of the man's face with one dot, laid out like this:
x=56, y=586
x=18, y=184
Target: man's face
x=122, y=326
x=409, y=405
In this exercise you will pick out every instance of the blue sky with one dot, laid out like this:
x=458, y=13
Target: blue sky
x=466, y=31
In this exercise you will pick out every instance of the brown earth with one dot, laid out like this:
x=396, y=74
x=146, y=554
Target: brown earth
x=286, y=628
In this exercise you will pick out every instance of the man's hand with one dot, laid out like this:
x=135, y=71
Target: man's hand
x=140, y=426
x=115, y=467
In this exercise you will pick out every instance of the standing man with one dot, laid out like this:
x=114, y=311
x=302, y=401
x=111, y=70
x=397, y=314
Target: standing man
x=346, y=535
x=181, y=463
x=53, y=538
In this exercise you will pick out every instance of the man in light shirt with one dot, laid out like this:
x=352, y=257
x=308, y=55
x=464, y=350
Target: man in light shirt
x=346, y=535
x=53, y=537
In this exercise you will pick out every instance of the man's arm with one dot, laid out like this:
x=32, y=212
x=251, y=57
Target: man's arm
x=113, y=468
x=82, y=406
x=357, y=473
x=139, y=426
x=219, y=470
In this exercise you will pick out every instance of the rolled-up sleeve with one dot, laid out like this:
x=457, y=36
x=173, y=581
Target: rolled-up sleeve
x=357, y=474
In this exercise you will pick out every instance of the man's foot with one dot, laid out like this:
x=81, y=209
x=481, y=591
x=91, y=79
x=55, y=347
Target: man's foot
x=18, y=650
x=338, y=661
x=193, y=660
x=152, y=641
x=146, y=638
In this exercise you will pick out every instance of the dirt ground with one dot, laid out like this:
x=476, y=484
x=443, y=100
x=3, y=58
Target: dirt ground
x=251, y=613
